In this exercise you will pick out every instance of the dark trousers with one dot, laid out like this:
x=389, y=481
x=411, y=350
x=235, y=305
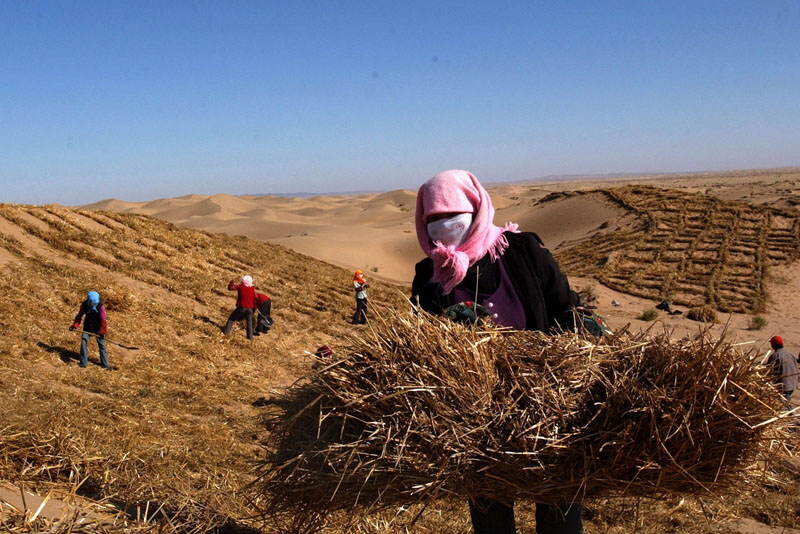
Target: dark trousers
x=360, y=316
x=264, y=322
x=101, y=345
x=788, y=395
x=237, y=315
x=492, y=517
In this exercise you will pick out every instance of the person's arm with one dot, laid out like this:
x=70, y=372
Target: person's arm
x=103, y=321
x=76, y=322
x=423, y=292
x=559, y=298
x=422, y=275
x=233, y=286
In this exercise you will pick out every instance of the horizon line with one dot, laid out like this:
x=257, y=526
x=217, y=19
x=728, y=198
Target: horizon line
x=549, y=178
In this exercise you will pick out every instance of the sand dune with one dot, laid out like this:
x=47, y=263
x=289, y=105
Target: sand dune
x=112, y=204
x=180, y=420
x=190, y=404
x=565, y=220
x=375, y=231
x=372, y=232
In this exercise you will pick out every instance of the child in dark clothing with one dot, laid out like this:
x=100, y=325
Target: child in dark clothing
x=264, y=305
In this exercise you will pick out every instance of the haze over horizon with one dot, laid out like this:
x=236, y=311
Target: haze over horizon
x=147, y=101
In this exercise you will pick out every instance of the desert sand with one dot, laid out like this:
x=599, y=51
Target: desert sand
x=376, y=232
x=176, y=427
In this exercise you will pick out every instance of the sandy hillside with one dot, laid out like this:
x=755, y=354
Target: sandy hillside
x=166, y=441
x=172, y=431
x=375, y=232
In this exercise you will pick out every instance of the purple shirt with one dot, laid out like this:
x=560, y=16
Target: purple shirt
x=503, y=305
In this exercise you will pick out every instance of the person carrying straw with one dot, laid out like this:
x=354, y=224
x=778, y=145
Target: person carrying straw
x=509, y=276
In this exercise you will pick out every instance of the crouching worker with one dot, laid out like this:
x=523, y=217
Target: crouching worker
x=264, y=305
x=245, y=304
x=475, y=269
x=93, y=314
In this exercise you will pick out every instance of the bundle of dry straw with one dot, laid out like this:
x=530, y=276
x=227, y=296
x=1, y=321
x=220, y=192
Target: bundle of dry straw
x=418, y=408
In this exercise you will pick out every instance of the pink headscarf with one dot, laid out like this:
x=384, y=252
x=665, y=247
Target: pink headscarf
x=247, y=281
x=459, y=192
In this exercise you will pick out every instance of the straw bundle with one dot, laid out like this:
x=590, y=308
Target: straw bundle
x=419, y=409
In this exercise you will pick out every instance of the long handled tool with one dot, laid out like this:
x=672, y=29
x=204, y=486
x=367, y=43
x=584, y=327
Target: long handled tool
x=107, y=340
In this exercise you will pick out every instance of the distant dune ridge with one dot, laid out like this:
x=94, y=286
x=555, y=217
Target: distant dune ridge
x=338, y=229
x=372, y=232
x=375, y=231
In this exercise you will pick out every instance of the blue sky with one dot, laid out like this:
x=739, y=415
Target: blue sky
x=140, y=100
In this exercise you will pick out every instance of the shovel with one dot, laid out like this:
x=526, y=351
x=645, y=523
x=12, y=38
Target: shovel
x=107, y=340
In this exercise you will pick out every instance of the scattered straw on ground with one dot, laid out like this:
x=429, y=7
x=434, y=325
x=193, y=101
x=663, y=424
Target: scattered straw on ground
x=420, y=409
x=691, y=248
x=174, y=429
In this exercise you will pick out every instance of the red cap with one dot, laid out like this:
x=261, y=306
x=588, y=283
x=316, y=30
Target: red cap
x=776, y=342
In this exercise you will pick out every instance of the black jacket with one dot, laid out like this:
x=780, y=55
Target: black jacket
x=539, y=283
x=95, y=321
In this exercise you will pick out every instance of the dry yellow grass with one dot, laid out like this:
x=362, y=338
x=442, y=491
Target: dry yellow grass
x=177, y=424
x=175, y=430
x=419, y=409
x=691, y=248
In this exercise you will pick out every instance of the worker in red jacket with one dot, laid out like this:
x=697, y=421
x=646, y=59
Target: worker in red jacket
x=93, y=315
x=245, y=304
x=264, y=305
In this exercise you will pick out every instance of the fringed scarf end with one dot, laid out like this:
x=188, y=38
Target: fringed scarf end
x=501, y=243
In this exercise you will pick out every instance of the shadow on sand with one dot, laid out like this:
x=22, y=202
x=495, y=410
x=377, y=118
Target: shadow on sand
x=208, y=320
x=66, y=355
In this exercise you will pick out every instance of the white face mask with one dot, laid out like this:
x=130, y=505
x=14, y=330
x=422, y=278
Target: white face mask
x=451, y=231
